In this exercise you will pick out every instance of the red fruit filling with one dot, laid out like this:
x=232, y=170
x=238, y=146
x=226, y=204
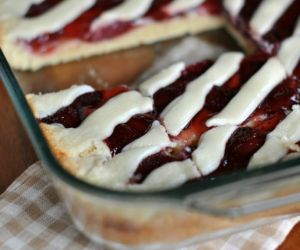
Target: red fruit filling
x=126, y=133
x=241, y=146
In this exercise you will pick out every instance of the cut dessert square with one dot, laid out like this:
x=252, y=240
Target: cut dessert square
x=263, y=23
x=38, y=33
x=183, y=124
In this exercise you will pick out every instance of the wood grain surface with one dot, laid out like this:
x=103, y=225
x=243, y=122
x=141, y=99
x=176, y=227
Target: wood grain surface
x=16, y=152
x=292, y=241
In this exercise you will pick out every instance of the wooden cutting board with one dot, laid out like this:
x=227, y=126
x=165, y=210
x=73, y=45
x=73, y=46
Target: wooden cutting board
x=16, y=152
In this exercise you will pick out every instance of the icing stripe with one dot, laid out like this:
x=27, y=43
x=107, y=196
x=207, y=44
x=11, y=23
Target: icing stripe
x=182, y=5
x=279, y=141
x=15, y=8
x=169, y=175
x=211, y=149
x=117, y=171
x=180, y=112
x=162, y=79
x=48, y=104
x=127, y=11
x=123, y=107
x=52, y=21
x=234, y=6
x=101, y=123
x=156, y=136
x=250, y=95
x=289, y=53
x=269, y=11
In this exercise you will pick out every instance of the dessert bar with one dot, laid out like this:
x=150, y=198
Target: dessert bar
x=185, y=123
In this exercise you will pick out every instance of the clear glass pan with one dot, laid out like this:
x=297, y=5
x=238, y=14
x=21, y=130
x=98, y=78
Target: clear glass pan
x=178, y=217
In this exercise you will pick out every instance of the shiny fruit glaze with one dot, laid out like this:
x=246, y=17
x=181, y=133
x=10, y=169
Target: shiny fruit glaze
x=126, y=133
x=240, y=147
x=79, y=29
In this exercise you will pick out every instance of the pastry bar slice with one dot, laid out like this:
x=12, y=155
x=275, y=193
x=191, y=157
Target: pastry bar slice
x=185, y=123
x=38, y=33
x=263, y=24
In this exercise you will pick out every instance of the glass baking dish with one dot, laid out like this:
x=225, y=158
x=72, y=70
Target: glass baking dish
x=179, y=217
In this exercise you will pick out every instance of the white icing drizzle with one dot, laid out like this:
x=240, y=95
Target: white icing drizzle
x=269, y=11
x=47, y=104
x=15, y=8
x=297, y=28
x=234, y=6
x=289, y=128
x=117, y=171
x=156, y=136
x=250, y=95
x=279, y=141
x=122, y=106
x=178, y=6
x=101, y=123
x=180, y=112
x=211, y=149
x=272, y=151
x=289, y=53
x=51, y=21
x=169, y=175
x=162, y=79
x=127, y=11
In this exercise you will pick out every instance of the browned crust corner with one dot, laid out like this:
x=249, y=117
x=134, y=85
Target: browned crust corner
x=50, y=137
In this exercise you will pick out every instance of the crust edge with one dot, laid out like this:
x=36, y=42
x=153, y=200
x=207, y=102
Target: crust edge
x=22, y=59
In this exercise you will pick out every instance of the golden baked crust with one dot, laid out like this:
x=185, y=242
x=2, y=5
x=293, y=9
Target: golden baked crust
x=62, y=156
x=20, y=58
